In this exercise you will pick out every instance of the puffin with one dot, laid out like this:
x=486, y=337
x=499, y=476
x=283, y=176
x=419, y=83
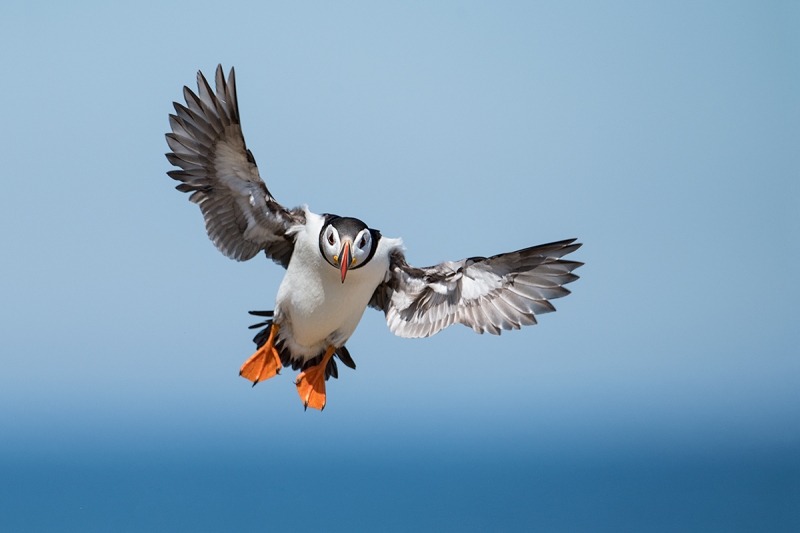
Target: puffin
x=337, y=266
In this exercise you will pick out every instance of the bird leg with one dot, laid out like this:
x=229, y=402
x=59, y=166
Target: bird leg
x=311, y=382
x=265, y=363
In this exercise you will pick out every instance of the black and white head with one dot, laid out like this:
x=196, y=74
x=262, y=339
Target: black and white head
x=347, y=243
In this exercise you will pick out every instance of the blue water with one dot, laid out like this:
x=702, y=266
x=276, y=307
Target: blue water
x=268, y=492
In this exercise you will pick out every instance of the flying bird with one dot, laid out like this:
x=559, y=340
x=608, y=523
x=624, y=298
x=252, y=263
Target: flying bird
x=337, y=266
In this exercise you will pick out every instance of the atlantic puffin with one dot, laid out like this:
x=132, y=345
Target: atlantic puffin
x=338, y=266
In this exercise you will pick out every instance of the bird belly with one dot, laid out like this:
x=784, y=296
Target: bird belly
x=316, y=310
x=316, y=322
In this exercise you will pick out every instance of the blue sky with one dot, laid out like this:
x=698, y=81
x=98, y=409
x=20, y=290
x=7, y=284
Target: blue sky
x=663, y=136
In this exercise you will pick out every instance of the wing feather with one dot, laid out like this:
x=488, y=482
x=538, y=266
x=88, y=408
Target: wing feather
x=241, y=216
x=492, y=294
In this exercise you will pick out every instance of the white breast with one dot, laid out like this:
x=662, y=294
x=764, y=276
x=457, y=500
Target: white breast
x=314, y=308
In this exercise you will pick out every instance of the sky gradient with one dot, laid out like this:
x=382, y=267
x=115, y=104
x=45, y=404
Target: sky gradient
x=664, y=137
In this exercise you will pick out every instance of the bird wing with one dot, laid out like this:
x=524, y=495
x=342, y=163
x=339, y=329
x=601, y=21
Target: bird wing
x=241, y=216
x=505, y=291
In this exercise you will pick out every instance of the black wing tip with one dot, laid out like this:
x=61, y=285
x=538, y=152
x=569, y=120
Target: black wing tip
x=566, y=246
x=560, y=245
x=218, y=71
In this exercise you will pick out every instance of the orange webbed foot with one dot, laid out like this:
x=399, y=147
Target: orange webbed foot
x=265, y=363
x=311, y=383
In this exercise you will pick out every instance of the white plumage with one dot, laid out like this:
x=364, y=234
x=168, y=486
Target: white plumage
x=314, y=308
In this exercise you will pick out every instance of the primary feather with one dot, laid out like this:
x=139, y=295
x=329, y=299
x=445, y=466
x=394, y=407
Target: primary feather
x=241, y=216
x=505, y=291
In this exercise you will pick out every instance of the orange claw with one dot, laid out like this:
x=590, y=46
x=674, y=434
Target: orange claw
x=265, y=363
x=311, y=383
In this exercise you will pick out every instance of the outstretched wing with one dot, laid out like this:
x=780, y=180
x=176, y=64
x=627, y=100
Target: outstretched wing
x=242, y=218
x=487, y=294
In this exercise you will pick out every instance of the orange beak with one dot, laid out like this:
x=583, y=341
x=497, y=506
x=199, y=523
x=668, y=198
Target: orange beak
x=344, y=259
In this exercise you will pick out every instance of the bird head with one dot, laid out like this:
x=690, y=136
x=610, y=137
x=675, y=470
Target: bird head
x=347, y=243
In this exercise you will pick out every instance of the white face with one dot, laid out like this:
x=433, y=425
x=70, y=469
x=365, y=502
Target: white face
x=332, y=246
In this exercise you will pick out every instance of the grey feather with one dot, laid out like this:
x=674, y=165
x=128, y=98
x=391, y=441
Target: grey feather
x=489, y=295
x=241, y=216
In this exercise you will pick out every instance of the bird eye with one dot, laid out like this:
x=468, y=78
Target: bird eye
x=363, y=242
x=330, y=238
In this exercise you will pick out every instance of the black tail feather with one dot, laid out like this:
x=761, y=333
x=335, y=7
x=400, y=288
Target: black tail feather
x=331, y=370
x=262, y=313
x=262, y=336
x=344, y=356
